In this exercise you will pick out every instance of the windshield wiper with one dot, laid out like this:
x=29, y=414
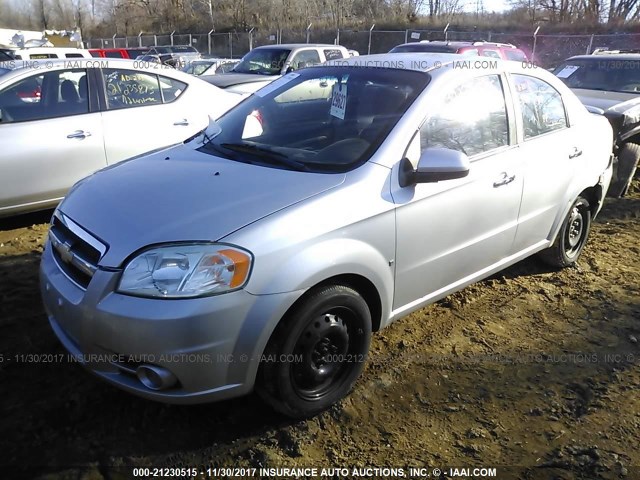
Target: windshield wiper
x=266, y=154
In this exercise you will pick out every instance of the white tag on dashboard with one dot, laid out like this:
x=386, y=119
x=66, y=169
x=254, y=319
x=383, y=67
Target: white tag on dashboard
x=339, y=100
x=567, y=71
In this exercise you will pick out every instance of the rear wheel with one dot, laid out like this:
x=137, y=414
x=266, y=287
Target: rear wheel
x=572, y=236
x=316, y=353
x=626, y=169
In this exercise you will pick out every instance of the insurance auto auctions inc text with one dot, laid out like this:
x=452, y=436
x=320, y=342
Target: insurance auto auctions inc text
x=359, y=472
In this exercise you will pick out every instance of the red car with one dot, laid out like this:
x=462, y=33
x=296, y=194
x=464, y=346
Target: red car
x=131, y=53
x=505, y=51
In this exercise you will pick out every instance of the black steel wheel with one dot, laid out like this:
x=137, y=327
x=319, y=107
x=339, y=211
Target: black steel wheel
x=317, y=352
x=572, y=237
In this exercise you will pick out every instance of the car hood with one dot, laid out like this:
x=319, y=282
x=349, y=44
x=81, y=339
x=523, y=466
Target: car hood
x=224, y=80
x=607, y=100
x=181, y=194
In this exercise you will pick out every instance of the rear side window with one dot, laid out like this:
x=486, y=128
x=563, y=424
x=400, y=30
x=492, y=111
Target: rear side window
x=38, y=56
x=306, y=58
x=541, y=106
x=472, y=118
x=128, y=88
x=490, y=53
x=516, y=55
x=332, y=54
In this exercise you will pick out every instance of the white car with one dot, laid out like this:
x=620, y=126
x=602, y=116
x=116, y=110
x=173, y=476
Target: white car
x=40, y=53
x=61, y=120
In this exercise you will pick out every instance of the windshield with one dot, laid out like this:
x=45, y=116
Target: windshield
x=321, y=119
x=263, y=61
x=197, y=68
x=601, y=74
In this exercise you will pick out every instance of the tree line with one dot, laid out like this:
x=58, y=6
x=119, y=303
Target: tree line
x=103, y=18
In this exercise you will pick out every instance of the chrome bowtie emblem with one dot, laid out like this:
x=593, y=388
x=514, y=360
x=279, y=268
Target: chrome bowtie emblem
x=64, y=249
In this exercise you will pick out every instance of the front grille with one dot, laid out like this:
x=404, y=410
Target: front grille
x=76, y=252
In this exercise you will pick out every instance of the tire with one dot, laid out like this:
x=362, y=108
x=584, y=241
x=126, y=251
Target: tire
x=627, y=164
x=316, y=353
x=572, y=237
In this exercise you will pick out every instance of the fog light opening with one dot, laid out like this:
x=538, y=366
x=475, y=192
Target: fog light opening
x=155, y=378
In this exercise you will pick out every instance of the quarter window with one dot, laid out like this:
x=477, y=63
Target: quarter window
x=472, y=118
x=171, y=89
x=541, y=105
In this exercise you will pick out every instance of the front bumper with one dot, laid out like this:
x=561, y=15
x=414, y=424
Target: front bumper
x=212, y=345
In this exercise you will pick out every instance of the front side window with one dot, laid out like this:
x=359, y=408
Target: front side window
x=49, y=95
x=541, y=106
x=471, y=118
x=129, y=88
x=320, y=119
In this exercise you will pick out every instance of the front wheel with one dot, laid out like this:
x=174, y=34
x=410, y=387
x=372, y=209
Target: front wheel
x=572, y=236
x=316, y=353
x=626, y=168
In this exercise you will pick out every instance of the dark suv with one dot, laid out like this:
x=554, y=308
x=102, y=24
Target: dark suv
x=608, y=83
x=505, y=51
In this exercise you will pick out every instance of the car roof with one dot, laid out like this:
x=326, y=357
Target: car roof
x=608, y=56
x=41, y=65
x=459, y=44
x=301, y=45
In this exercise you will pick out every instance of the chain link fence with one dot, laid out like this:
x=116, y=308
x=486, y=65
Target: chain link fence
x=545, y=50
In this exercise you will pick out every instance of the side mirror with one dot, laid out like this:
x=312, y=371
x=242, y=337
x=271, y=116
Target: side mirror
x=596, y=110
x=289, y=69
x=435, y=165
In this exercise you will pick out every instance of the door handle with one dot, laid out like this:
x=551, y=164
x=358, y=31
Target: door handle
x=182, y=123
x=79, y=134
x=576, y=153
x=504, y=180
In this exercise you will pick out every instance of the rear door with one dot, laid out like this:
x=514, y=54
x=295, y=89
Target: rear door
x=550, y=152
x=51, y=136
x=144, y=111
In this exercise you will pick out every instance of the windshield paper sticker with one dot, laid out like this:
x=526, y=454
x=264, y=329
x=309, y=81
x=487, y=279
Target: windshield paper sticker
x=276, y=84
x=567, y=71
x=339, y=100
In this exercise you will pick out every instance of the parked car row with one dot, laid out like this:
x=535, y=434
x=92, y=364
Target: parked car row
x=86, y=117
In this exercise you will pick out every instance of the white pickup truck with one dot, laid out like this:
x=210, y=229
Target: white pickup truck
x=264, y=64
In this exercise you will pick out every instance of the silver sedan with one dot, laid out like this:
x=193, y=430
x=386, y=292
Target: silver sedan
x=339, y=198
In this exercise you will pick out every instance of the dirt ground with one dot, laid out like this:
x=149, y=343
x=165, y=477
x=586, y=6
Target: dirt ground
x=533, y=372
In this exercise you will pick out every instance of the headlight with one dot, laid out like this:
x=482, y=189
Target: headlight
x=182, y=271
